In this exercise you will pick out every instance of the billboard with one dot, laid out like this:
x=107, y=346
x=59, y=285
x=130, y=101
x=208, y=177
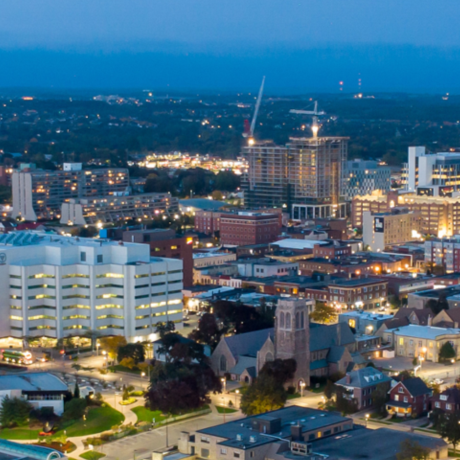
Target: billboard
x=378, y=224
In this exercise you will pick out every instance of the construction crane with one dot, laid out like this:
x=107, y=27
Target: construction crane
x=315, y=113
x=249, y=128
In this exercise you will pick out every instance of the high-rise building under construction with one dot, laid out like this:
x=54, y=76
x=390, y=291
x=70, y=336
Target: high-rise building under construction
x=306, y=176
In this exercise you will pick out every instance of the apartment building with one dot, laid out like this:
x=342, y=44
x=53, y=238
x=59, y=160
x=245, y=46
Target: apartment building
x=364, y=176
x=94, y=210
x=39, y=194
x=444, y=252
x=57, y=286
x=440, y=215
x=306, y=177
x=397, y=226
x=209, y=259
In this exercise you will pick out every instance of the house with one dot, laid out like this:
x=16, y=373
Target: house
x=364, y=322
x=40, y=389
x=409, y=398
x=447, y=401
x=421, y=317
x=447, y=318
x=422, y=341
x=360, y=385
x=391, y=324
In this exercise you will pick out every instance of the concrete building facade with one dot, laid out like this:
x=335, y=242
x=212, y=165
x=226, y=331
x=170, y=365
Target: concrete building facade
x=58, y=286
x=364, y=176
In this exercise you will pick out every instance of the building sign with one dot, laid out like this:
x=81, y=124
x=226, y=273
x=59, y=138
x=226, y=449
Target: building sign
x=378, y=224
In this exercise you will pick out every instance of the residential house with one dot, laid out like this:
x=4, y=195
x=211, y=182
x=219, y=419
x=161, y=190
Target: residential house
x=409, y=398
x=360, y=385
x=447, y=401
x=448, y=318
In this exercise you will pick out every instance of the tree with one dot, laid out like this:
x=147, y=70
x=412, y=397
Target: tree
x=217, y=195
x=178, y=387
x=227, y=180
x=208, y=331
x=175, y=349
x=125, y=395
x=165, y=328
x=323, y=313
x=74, y=409
x=281, y=370
x=14, y=411
x=379, y=398
x=438, y=305
x=447, y=352
x=449, y=428
x=76, y=391
x=135, y=351
x=263, y=395
x=343, y=404
x=412, y=450
x=329, y=389
x=112, y=344
x=128, y=362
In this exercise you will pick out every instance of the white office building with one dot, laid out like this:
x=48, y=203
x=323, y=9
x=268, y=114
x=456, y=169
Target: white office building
x=432, y=174
x=363, y=177
x=56, y=286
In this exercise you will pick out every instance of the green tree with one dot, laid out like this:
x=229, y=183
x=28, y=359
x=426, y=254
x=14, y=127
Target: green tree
x=135, y=351
x=379, y=398
x=74, y=409
x=263, y=395
x=112, y=344
x=76, y=391
x=128, y=362
x=412, y=450
x=281, y=370
x=449, y=428
x=14, y=412
x=329, y=389
x=165, y=328
x=323, y=313
x=125, y=395
x=447, y=352
x=208, y=332
x=343, y=404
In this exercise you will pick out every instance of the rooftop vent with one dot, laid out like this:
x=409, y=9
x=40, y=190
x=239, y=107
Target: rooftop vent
x=252, y=439
x=239, y=437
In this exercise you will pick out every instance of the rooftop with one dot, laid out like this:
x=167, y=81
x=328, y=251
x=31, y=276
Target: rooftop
x=365, y=377
x=366, y=315
x=294, y=243
x=37, y=381
x=424, y=332
x=204, y=255
x=241, y=433
x=203, y=203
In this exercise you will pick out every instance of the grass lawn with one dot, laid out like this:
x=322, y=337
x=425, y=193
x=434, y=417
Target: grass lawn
x=398, y=420
x=19, y=433
x=146, y=415
x=98, y=419
x=293, y=396
x=225, y=410
x=454, y=454
x=92, y=455
x=120, y=368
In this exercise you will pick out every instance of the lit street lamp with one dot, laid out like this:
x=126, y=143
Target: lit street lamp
x=367, y=419
x=236, y=396
x=224, y=384
x=97, y=347
x=302, y=386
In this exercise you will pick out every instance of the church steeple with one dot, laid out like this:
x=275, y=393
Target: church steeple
x=292, y=336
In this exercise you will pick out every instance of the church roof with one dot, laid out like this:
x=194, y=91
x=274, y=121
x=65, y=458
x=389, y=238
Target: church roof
x=244, y=362
x=248, y=343
x=323, y=337
x=335, y=354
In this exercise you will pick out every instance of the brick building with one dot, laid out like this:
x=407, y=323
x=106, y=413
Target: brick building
x=410, y=397
x=166, y=243
x=249, y=228
x=332, y=250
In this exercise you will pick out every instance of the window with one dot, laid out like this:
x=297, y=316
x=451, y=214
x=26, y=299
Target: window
x=401, y=341
x=406, y=399
x=396, y=397
x=223, y=451
x=437, y=404
x=236, y=454
x=223, y=363
x=100, y=258
x=448, y=406
x=252, y=454
x=400, y=390
x=82, y=256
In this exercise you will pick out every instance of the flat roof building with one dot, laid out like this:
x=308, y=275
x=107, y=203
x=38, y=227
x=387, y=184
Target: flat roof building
x=57, y=286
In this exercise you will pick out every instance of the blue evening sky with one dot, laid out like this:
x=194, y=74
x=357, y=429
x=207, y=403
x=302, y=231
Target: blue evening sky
x=300, y=45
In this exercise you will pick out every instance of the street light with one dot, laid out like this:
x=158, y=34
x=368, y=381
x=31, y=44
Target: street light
x=302, y=386
x=223, y=407
x=224, y=383
x=97, y=347
x=237, y=392
x=367, y=419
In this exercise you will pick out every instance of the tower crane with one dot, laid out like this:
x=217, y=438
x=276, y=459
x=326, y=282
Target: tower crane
x=314, y=127
x=249, y=128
